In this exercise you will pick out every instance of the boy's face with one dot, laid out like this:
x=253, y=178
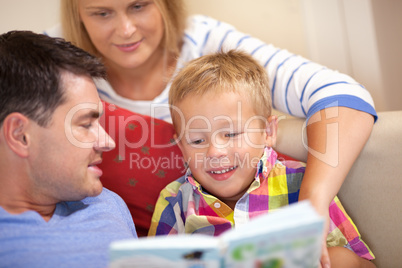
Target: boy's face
x=222, y=140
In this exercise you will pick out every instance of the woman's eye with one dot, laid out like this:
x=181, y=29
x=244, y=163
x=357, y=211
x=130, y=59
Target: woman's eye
x=138, y=6
x=101, y=13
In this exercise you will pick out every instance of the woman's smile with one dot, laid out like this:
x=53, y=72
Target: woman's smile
x=129, y=47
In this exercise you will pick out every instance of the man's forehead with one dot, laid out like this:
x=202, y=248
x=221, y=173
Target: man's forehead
x=80, y=89
x=75, y=82
x=89, y=108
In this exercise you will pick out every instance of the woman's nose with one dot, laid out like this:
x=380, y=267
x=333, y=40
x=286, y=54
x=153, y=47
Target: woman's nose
x=126, y=27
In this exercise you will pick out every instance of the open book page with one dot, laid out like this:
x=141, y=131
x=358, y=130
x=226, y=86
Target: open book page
x=167, y=251
x=288, y=237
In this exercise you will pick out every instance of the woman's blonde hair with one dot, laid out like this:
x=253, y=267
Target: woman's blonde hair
x=173, y=14
x=233, y=71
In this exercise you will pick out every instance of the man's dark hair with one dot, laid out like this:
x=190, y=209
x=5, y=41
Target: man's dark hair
x=30, y=73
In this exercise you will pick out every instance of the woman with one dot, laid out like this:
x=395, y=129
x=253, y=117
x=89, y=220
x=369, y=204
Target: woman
x=144, y=42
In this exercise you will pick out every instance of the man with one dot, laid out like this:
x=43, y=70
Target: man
x=54, y=211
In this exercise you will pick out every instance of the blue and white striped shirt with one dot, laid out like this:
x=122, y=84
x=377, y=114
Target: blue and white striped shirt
x=299, y=87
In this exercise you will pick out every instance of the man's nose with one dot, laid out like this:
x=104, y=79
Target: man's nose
x=105, y=142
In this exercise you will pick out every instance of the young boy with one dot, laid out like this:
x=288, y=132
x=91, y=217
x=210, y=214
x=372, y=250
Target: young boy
x=221, y=111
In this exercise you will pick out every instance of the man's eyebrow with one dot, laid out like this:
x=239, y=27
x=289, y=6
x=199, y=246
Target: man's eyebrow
x=91, y=114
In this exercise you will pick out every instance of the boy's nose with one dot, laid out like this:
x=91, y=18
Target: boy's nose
x=216, y=150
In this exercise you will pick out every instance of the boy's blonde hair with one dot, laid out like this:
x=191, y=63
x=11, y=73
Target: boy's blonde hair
x=233, y=71
x=172, y=11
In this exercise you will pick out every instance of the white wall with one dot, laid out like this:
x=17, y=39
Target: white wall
x=362, y=38
x=33, y=15
x=274, y=21
x=388, y=24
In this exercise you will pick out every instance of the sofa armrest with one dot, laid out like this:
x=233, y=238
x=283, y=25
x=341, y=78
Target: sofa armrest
x=371, y=191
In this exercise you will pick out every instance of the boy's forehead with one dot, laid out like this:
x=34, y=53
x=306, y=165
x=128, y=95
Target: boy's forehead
x=214, y=95
x=223, y=108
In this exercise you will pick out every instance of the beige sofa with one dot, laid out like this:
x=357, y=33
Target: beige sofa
x=371, y=193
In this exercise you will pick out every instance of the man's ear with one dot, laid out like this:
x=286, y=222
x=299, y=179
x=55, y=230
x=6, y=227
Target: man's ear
x=16, y=136
x=271, y=131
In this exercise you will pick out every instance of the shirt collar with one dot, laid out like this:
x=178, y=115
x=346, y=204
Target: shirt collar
x=266, y=163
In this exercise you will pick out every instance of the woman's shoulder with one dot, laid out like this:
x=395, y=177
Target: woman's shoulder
x=202, y=35
x=203, y=22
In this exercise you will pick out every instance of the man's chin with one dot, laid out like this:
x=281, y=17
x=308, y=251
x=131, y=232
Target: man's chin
x=97, y=191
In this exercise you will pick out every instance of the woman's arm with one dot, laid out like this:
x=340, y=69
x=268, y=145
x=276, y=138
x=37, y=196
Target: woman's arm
x=299, y=87
x=335, y=138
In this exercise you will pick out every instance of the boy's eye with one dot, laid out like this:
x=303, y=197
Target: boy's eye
x=232, y=135
x=196, y=142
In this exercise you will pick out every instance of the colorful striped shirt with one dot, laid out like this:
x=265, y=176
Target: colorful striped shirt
x=299, y=87
x=184, y=207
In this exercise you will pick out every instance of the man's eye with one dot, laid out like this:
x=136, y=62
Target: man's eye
x=87, y=126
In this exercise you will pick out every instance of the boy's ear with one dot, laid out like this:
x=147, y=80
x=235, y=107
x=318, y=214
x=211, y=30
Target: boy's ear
x=177, y=141
x=271, y=131
x=15, y=133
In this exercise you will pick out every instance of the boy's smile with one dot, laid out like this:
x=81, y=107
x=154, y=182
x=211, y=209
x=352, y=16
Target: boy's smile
x=222, y=174
x=222, y=139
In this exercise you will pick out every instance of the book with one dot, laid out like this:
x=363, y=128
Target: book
x=287, y=237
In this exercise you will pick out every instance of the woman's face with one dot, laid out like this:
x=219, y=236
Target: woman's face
x=127, y=33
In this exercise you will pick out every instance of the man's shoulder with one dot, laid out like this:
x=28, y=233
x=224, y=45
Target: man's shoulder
x=83, y=228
